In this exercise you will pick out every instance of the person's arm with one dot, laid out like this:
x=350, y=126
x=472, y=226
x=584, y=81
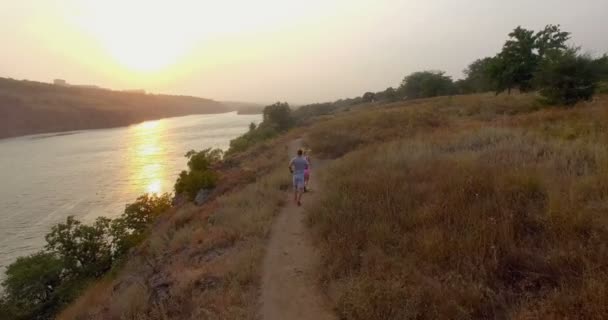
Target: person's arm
x=290, y=166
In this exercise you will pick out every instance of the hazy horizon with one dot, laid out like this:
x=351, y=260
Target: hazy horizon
x=269, y=50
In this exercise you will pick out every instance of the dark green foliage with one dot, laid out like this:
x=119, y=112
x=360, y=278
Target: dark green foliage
x=368, y=97
x=241, y=143
x=203, y=160
x=86, y=250
x=200, y=174
x=37, y=286
x=31, y=286
x=130, y=228
x=478, y=78
x=565, y=77
x=388, y=95
x=278, y=115
x=278, y=118
x=425, y=84
x=191, y=182
x=516, y=64
x=550, y=39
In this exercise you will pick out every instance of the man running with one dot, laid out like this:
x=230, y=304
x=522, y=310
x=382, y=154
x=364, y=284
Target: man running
x=297, y=166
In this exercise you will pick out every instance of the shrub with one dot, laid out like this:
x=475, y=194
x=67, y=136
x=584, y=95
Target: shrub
x=567, y=78
x=252, y=137
x=277, y=118
x=426, y=84
x=190, y=183
x=130, y=228
x=31, y=285
x=38, y=285
x=200, y=174
x=278, y=115
x=85, y=249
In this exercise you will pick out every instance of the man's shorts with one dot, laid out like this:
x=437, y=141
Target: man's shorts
x=298, y=181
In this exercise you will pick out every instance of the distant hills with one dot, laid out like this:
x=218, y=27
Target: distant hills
x=29, y=107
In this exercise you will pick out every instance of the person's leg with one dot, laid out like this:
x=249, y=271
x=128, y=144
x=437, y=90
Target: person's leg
x=299, y=189
x=295, y=188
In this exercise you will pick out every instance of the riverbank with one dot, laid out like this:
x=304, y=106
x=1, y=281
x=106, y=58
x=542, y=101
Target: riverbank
x=96, y=172
x=30, y=107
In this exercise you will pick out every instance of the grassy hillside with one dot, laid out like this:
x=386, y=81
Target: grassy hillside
x=464, y=207
x=28, y=107
x=482, y=206
x=200, y=262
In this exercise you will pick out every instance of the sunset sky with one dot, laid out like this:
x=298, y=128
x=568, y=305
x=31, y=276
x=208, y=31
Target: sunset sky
x=269, y=50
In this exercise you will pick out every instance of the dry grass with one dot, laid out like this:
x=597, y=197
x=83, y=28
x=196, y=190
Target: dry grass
x=488, y=217
x=200, y=262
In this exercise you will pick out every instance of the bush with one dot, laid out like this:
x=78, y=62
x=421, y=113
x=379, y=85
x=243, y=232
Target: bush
x=31, y=285
x=277, y=118
x=37, y=286
x=567, y=78
x=200, y=174
x=278, y=115
x=129, y=229
x=190, y=183
x=426, y=84
x=86, y=250
x=259, y=134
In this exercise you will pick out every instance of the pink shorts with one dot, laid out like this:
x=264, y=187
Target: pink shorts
x=306, y=174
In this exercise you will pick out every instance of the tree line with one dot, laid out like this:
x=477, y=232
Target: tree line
x=529, y=61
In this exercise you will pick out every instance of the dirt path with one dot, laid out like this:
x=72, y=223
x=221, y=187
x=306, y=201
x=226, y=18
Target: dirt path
x=289, y=290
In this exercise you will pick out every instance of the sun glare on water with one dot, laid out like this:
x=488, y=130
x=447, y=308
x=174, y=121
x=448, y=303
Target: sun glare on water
x=147, y=157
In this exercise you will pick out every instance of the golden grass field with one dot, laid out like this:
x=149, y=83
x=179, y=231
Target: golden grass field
x=465, y=207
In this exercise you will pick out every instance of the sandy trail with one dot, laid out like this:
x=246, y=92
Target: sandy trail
x=289, y=290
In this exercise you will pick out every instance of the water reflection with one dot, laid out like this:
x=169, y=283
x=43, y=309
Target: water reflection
x=148, y=157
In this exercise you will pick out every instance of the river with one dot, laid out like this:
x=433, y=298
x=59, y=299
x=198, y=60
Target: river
x=87, y=174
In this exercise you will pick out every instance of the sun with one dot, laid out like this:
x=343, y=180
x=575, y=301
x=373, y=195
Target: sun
x=143, y=36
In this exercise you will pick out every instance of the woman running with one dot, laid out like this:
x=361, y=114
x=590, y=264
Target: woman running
x=306, y=171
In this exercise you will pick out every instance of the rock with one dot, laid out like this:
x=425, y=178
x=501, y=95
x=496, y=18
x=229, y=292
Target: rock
x=202, y=196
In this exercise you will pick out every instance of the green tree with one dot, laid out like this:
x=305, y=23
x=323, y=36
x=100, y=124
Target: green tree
x=551, y=38
x=31, y=286
x=390, y=94
x=203, y=160
x=200, y=174
x=517, y=63
x=426, y=84
x=478, y=77
x=85, y=249
x=252, y=126
x=130, y=228
x=278, y=115
x=368, y=97
x=565, y=77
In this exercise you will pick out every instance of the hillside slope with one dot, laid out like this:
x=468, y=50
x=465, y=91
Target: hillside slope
x=28, y=107
x=465, y=207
